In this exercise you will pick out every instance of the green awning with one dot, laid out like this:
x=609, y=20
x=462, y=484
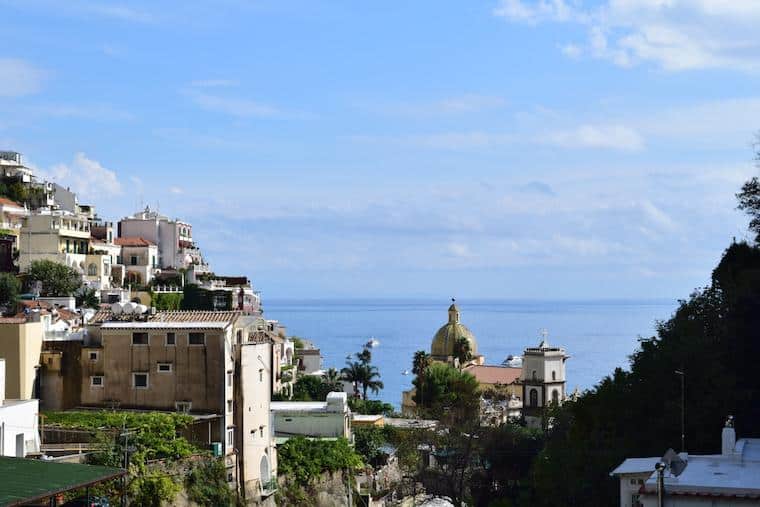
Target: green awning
x=27, y=480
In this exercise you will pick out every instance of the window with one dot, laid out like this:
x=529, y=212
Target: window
x=261, y=375
x=229, y=379
x=164, y=367
x=230, y=437
x=92, y=270
x=96, y=381
x=533, y=376
x=533, y=398
x=240, y=336
x=229, y=476
x=133, y=260
x=229, y=406
x=554, y=375
x=93, y=355
x=171, y=339
x=139, y=338
x=183, y=406
x=555, y=397
x=197, y=339
x=140, y=380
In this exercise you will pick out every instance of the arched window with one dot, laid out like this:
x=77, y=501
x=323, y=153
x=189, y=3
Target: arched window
x=92, y=270
x=533, y=398
x=554, y=375
x=264, y=470
x=555, y=397
x=534, y=375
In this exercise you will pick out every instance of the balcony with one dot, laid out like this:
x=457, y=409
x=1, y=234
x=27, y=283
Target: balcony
x=269, y=487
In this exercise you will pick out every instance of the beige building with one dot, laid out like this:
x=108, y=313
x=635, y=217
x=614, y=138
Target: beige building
x=139, y=257
x=57, y=236
x=20, y=346
x=216, y=365
x=11, y=219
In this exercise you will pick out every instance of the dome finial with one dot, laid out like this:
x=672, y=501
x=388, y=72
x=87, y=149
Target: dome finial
x=453, y=312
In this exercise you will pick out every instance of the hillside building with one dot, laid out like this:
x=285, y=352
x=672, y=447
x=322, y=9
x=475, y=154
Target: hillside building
x=19, y=433
x=543, y=380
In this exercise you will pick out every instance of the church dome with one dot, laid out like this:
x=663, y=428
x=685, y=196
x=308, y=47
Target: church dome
x=443, y=341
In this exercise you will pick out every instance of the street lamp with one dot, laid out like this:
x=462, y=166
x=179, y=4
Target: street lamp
x=683, y=408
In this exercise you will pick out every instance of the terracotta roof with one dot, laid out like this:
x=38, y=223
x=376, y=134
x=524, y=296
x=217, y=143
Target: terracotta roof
x=100, y=316
x=12, y=320
x=7, y=202
x=133, y=242
x=194, y=316
x=494, y=374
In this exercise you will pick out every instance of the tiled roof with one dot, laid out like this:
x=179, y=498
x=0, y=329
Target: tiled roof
x=194, y=316
x=494, y=374
x=4, y=201
x=100, y=316
x=133, y=242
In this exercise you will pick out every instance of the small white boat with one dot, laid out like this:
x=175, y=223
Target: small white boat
x=405, y=372
x=372, y=343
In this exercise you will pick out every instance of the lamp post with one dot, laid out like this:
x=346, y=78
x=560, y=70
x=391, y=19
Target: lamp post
x=681, y=374
x=660, y=468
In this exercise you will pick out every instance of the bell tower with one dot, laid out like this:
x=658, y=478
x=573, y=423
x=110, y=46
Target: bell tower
x=543, y=379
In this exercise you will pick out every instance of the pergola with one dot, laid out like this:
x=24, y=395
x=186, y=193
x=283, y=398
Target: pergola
x=23, y=481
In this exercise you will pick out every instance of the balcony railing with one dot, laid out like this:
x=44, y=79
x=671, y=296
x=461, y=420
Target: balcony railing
x=269, y=487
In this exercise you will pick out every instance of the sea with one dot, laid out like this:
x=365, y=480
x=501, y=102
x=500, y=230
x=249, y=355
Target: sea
x=599, y=336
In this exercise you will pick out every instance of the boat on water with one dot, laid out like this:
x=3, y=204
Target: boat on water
x=372, y=343
x=513, y=361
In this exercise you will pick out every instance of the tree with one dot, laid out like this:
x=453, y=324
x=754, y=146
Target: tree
x=88, y=298
x=57, y=279
x=462, y=351
x=9, y=289
x=309, y=388
x=371, y=380
x=362, y=373
x=332, y=381
x=353, y=372
x=445, y=388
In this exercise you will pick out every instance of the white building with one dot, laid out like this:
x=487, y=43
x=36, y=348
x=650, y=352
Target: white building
x=728, y=479
x=19, y=434
x=57, y=236
x=543, y=379
x=327, y=419
x=174, y=238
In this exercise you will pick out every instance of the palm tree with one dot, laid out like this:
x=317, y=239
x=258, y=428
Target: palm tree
x=365, y=356
x=462, y=351
x=353, y=372
x=371, y=380
x=332, y=381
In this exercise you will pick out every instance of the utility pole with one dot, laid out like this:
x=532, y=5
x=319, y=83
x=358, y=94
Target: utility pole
x=350, y=499
x=682, y=374
x=660, y=468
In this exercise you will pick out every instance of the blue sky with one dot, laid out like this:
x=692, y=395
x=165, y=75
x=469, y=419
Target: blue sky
x=492, y=149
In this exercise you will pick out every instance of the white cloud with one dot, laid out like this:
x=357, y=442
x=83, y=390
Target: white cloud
x=675, y=35
x=121, y=12
x=232, y=106
x=616, y=137
x=19, y=78
x=176, y=190
x=534, y=12
x=85, y=176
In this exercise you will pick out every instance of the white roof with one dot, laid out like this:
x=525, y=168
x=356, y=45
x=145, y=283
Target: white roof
x=636, y=466
x=298, y=406
x=367, y=417
x=724, y=475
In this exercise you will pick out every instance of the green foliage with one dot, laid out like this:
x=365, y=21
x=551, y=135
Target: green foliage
x=462, y=351
x=297, y=342
x=711, y=337
x=368, y=440
x=9, y=289
x=166, y=301
x=370, y=407
x=302, y=460
x=197, y=298
x=152, y=488
x=15, y=189
x=88, y=298
x=310, y=388
x=362, y=373
x=444, y=389
x=57, y=279
x=206, y=484
x=155, y=433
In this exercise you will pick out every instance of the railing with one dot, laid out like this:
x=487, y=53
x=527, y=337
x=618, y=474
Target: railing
x=269, y=487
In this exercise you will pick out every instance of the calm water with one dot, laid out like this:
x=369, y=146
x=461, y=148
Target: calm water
x=598, y=336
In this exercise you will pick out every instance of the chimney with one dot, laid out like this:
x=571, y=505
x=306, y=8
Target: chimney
x=728, y=438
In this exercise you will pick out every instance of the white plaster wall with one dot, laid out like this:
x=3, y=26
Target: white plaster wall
x=19, y=418
x=627, y=490
x=312, y=424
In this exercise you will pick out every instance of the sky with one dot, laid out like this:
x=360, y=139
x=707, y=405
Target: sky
x=511, y=149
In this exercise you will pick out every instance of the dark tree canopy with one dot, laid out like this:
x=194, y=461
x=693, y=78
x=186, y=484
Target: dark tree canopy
x=57, y=279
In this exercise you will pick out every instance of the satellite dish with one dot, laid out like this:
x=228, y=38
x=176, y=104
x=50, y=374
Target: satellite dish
x=676, y=464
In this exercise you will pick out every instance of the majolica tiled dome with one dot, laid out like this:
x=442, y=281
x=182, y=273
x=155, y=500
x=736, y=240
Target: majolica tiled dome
x=443, y=341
